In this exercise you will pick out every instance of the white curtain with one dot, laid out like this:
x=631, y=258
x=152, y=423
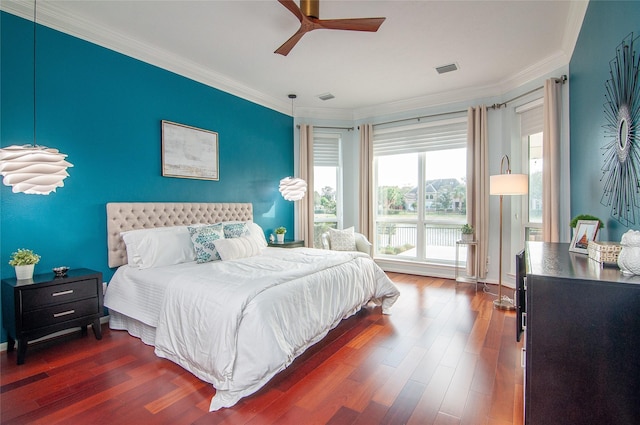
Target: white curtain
x=551, y=161
x=366, y=181
x=478, y=185
x=305, y=216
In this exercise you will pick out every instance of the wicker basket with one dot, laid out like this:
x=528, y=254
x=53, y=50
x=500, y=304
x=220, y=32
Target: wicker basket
x=604, y=252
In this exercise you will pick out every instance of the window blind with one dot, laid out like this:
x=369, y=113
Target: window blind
x=421, y=137
x=326, y=150
x=530, y=118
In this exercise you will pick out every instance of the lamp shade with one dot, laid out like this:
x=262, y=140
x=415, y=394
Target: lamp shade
x=33, y=169
x=509, y=184
x=293, y=188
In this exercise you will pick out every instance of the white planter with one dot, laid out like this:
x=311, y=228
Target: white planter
x=467, y=237
x=24, y=272
x=280, y=237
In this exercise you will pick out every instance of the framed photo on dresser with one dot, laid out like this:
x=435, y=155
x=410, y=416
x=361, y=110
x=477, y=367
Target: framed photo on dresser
x=585, y=231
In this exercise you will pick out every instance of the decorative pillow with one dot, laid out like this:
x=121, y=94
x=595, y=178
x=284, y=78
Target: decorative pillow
x=203, y=238
x=235, y=230
x=256, y=232
x=157, y=247
x=342, y=240
x=234, y=248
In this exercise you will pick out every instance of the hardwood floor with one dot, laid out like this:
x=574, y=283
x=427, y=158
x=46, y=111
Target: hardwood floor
x=444, y=357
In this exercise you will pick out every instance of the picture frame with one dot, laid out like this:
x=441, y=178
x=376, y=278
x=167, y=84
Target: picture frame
x=189, y=152
x=585, y=231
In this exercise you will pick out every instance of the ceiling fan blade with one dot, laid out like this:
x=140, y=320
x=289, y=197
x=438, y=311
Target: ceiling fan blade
x=293, y=8
x=355, y=24
x=288, y=45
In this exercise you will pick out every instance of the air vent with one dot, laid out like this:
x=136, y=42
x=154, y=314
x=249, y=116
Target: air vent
x=325, y=96
x=447, y=68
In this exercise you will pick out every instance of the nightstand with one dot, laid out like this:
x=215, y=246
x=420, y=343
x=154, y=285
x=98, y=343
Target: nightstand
x=33, y=308
x=287, y=244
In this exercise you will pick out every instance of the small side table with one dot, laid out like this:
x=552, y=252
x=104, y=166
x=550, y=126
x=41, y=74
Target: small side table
x=287, y=244
x=33, y=308
x=466, y=278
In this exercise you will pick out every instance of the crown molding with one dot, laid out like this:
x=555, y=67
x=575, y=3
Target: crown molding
x=51, y=15
x=577, y=11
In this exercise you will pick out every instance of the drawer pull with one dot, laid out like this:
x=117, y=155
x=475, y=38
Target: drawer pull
x=64, y=313
x=523, y=356
x=56, y=294
x=524, y=321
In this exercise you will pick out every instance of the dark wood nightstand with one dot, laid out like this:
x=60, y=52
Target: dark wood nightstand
x=33, y=308
x=287, y=244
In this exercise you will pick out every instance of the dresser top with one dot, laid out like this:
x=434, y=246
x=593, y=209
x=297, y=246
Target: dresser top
x=555, y=260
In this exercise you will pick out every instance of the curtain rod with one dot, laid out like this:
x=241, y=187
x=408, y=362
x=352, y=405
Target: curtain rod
x=560, y=80
x=329, y=128
x=419, y=118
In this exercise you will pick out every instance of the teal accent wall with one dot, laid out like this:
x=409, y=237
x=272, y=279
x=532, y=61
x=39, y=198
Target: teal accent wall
x=104, y=110
x=605, y=25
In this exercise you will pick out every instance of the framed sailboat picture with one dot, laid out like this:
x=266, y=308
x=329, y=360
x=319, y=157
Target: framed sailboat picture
x=586, y=230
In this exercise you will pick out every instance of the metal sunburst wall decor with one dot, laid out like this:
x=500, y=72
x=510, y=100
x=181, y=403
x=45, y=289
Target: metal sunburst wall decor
x=621, y=170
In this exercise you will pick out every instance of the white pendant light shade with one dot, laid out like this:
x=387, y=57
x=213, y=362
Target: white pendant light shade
x=293, y=188
x=33, y=169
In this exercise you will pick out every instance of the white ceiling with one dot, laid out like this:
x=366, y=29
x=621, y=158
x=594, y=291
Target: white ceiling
x=498, y=46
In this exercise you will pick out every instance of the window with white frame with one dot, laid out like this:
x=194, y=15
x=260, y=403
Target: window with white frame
x=531, y=131
x=420, y=189
x=327, y=182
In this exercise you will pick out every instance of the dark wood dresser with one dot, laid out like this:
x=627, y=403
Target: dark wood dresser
x=33, y=308
x=582, y=339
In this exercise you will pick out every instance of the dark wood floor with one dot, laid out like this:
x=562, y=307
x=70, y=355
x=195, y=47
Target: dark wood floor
x=444, y=357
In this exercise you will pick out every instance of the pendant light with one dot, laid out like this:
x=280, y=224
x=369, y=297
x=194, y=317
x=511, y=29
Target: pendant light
x=33, y=169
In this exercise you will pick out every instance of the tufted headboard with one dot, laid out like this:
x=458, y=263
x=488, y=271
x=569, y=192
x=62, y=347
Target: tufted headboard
x=123, y=216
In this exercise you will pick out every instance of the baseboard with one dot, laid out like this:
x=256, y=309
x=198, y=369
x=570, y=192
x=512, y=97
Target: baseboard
x=103, y=320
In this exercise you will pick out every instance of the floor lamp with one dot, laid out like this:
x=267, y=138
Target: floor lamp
x=502, y=184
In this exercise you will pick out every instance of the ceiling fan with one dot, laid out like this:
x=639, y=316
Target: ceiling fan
x=308, y=13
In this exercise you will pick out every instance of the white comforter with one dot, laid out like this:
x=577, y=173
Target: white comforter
x=237, y=323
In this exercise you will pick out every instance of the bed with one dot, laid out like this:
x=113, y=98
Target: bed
x=237, y=321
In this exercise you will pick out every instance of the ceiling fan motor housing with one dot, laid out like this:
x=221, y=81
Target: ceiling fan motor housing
x=310, y=8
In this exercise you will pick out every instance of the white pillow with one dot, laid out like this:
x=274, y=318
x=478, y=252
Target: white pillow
x=234, y=248
x=342, y=240
x=256, y=232
x=157, y=247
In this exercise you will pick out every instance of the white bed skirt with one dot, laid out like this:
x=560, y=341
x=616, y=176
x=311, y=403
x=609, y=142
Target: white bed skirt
x=136, y=328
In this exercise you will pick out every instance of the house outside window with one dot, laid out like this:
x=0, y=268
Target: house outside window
x=420, y=189
x=327, y=181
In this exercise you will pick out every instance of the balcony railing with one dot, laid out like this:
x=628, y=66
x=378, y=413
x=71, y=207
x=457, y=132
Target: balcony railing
x=400, y=239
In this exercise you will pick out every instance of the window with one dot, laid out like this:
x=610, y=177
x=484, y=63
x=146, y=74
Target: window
x=420, y=189
x=531, y=128
x=327, y=182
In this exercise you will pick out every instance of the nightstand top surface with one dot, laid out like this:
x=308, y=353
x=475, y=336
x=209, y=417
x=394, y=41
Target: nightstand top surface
x=49, y=277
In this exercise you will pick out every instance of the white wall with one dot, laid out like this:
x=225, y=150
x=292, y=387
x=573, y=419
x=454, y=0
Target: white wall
x=503, y=130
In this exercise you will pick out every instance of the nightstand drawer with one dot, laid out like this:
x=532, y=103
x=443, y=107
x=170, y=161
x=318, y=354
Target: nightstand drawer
x=60, y=313
x=57, y=294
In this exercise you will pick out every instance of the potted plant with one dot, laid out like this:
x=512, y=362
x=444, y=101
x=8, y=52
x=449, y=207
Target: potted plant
x=467, y=233
x=24, y=260
x=280, y=231
x=574, y=220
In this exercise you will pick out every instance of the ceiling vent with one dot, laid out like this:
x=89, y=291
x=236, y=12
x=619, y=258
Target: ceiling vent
x=447, y=68
x=325, y=96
